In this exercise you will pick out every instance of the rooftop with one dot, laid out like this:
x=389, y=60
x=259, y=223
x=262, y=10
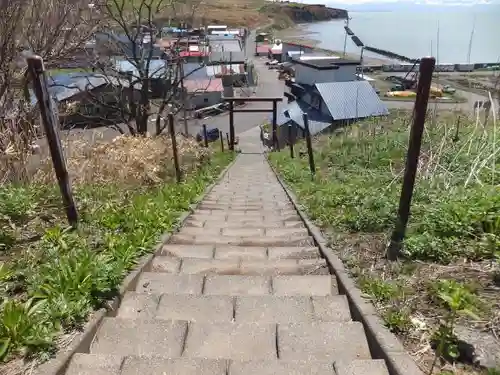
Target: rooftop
x=324, y=63
x=351, y=100
x=203, y=85
x=317, y=121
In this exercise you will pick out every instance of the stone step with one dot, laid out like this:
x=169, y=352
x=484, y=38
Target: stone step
x=147, y=338
x=266, y=241
x=100, y=364
x=236, y=285
x=318, y=341
x=361, y=367
x=271, y=207
x=244, y=217
x=218, y=308
x=238, y=252
x=241, y=224
x=246, y=232
x=236, y=266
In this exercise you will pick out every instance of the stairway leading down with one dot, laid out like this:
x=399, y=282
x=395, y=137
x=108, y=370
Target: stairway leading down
x=239, y=290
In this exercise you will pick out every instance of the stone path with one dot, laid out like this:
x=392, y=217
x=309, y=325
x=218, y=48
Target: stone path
x=240, y=290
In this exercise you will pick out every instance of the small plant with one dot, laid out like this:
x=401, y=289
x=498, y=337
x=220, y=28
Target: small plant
x=23, y=325
x=398, y=321
x=379, y=290
x=458, y=300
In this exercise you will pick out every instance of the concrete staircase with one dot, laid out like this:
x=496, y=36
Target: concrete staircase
x=240, y=290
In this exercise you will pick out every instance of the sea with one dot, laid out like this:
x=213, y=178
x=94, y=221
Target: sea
x=444, y=35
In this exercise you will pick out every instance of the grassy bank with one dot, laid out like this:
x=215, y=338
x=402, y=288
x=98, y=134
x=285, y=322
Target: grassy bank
x=52, y=278
x=447, y=286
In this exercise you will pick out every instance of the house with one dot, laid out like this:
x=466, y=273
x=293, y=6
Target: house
x=203, y=92
x=159, y=74
x=317, y=69
x=236, y=71
x=329, y=105
x=85, y=99
x=275, y=52
x=224, y=57
x=293, y=47
x=111, y=44
x=216, y=28
x=262, y=49
x=224, y=43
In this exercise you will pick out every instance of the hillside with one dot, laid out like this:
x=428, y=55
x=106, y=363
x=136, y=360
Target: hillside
x=259, y=12
x=301, y=13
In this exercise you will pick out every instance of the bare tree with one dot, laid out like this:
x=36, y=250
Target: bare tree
x=127, y=54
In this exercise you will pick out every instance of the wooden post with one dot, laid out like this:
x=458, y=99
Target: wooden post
x=205, y=135
x=221, y=136
x=231, y=125
x=171, y=130
x=427, y=65
x=50, y=123
x=275, y=126
x=228, y=142
x=312, y=167
x=290, y=140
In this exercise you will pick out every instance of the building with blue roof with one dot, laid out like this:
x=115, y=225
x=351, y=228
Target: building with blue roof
x=84, y=99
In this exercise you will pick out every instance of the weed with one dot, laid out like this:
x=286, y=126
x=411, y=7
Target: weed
x=55, y=284
x=379, y=290
x=398, y=321
x=453, y=231
x=458, y=300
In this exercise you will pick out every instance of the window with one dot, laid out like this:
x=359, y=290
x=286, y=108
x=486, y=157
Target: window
x=205, y=100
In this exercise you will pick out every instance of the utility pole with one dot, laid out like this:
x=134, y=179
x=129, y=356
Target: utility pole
x=345, y=37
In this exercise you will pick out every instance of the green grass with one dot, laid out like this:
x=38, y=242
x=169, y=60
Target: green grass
x=49, y=286
x=453, y=236
x=359, y=180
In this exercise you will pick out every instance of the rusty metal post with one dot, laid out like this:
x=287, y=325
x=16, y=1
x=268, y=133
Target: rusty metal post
x=312, y=166
x=221, y=136
x=275, y=126
x=231, y=125
x=291, y=140
x=427, y=65
x=50, y=123
x=205, y=135
x=171, y=130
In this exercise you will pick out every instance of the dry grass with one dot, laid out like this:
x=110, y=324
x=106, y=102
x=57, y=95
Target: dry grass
x=125, y=160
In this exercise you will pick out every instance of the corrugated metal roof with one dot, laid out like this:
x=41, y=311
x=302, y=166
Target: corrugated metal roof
x=218, y=70
x=65, y=86
x=317, y=121
x=195, y=71
x=157, y=68
x=203, y=85
x=225, y=45
x=350, y=100
x=227, y=56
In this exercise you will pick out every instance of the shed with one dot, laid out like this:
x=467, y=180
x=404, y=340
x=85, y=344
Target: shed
x=203, y=92
x=350, y=100
x=217, y=57
x=318, y=122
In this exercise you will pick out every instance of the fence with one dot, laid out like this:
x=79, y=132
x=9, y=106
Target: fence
x=50, y=121
x=427, y=66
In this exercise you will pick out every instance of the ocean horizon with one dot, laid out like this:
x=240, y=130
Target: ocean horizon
x=444, y=35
